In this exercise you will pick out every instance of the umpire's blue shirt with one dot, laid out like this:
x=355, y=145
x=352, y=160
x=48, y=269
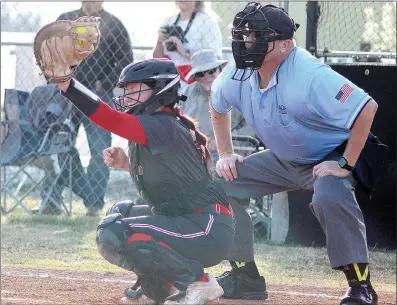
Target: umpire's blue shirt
x=305, y=112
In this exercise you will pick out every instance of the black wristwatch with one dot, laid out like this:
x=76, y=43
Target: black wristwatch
x=345, y=165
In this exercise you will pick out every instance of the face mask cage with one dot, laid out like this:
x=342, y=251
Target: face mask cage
x=251, y=36
x=127, y=102
x=251, y=46
x=165, y=92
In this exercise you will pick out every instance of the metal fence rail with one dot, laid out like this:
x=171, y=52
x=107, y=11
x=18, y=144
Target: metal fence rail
x=123, y=40
x=359, y=30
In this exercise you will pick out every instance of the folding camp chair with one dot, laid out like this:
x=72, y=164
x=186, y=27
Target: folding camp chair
x=22, y=147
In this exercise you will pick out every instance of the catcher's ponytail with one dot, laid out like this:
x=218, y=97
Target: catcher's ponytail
x=200, y=137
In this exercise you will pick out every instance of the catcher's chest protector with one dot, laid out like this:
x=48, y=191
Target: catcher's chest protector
x=171, y=177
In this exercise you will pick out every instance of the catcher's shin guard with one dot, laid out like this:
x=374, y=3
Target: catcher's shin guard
x=144, y=257
x=154, y=259
x=154, y=288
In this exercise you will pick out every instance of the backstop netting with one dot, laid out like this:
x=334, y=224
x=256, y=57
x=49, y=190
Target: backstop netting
x=356, y=27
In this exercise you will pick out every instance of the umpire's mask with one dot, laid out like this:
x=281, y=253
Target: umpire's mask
x=253, y=29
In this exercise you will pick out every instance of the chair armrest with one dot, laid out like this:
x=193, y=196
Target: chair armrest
x=63, y=136
x=251, y=140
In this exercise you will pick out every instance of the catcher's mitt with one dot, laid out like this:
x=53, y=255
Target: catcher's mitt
x=60, y=46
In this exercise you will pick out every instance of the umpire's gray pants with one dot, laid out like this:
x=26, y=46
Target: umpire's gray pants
x=333, y=203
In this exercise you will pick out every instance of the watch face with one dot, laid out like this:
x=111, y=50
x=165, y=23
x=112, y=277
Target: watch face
x=343, y=164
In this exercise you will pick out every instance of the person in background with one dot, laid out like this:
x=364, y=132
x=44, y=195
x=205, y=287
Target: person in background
x=99, y=73
x=205, y=69
x=195, y=27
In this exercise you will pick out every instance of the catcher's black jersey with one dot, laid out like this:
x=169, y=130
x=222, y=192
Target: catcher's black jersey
x=170, y=171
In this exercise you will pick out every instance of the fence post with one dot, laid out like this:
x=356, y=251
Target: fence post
x=313, y=13
x=286, y=6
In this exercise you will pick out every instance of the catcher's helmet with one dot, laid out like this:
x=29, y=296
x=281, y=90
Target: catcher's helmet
x=253, y=29
x=160, y=75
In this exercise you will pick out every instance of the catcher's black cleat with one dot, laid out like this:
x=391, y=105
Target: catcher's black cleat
x=239, y=286
x=360, y=295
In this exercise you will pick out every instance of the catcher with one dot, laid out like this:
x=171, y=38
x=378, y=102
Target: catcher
x=192, y=224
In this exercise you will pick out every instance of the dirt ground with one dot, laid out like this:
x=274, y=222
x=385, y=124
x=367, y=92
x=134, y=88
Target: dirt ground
x=29, y=286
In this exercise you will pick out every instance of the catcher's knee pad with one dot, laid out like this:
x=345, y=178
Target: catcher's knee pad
x=153, y=259
x=112, y=234
x=122, y=207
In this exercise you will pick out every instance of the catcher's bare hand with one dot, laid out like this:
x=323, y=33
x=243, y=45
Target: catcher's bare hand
x=115, y=157
x=226, y=166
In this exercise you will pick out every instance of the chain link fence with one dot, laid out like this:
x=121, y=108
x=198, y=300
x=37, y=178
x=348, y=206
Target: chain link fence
x=357, y=31
x=129, y=33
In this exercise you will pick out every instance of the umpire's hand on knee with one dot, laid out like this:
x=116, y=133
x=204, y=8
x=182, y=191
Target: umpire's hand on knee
x=226, y=166
x=115, y=157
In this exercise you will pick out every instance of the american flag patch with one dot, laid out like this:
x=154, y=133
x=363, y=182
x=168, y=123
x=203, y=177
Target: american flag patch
x=344, y=93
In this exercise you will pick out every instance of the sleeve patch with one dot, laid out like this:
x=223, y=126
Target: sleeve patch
x=344, y=93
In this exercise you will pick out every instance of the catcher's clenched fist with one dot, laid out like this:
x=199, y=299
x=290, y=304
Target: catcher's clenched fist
x=115, y=157
x=60, y=46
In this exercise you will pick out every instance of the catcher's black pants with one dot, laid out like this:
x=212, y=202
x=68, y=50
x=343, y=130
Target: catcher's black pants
x=204, y=236
x=202, y=239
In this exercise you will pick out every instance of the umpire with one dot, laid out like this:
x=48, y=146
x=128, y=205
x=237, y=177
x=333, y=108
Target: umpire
x=303, y=112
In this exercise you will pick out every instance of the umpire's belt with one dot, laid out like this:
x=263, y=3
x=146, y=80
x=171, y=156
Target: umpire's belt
x=217, y=208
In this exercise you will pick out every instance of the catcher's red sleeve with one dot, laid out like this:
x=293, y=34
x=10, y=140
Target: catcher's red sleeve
x=122, y=124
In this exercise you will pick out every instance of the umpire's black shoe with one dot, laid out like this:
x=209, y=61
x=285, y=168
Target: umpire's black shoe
x=360, y=295
x=239, y=286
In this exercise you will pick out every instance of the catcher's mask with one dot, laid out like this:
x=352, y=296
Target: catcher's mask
x=160, y=75
x=253, y=29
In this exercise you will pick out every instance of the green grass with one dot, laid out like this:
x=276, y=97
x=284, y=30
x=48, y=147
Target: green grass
x=33, y=202
x=69, y=244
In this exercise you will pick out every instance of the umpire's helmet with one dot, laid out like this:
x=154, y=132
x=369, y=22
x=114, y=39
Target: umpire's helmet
x=254, y=28
x=160, y=75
